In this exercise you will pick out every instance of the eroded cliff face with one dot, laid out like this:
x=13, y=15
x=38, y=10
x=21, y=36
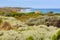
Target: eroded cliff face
x=9, y=9
x=12, y=9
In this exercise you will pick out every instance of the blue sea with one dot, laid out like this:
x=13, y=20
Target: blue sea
x=44, y=10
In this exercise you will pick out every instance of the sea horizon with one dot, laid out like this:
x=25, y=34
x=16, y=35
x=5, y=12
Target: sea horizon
x=44, y=10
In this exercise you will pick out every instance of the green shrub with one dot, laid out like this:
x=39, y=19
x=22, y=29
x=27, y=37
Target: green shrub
x=0, y=20
x=30, y=38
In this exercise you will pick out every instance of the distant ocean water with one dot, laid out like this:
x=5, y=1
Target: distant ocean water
x=44, y=10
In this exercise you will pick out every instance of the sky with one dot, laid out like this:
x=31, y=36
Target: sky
x=30, y=3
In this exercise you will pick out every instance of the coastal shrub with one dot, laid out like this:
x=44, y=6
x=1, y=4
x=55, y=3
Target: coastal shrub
x=43, y=20
x=0, y=20
x=56, y=36
x=25, y=32
x=30, y=38
x=30, y=33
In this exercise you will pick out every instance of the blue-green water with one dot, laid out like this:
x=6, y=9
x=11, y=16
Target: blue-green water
x=44, y=10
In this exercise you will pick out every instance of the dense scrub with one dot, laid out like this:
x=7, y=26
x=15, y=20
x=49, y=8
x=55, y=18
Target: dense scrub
x=46, y=20
x=34, y=28
x=40, y=32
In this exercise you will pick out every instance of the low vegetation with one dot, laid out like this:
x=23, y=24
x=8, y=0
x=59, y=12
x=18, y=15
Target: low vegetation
x=29, y=26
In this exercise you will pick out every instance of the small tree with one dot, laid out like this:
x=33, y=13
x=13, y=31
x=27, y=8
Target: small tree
x=50, y=13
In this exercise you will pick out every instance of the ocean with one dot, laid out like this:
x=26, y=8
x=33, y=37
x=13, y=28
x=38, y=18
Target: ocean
x=44, y=10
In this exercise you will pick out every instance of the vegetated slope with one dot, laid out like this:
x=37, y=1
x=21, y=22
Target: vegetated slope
x=10, y=22
x=40, y=32
x=42, y=20
x=25, y=32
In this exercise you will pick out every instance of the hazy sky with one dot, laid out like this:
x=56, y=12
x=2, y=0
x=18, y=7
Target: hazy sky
x=31, y=3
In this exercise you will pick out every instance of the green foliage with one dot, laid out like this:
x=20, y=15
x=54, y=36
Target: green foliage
x=1, y=33
x=56, y=36
x=51, y=12
x=2, y=13
x=13, y=14
x=30, y=13
x=30, y=38
x=0, y=20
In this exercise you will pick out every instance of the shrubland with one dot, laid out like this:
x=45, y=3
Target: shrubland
x=28, y=26
x=41, y=32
